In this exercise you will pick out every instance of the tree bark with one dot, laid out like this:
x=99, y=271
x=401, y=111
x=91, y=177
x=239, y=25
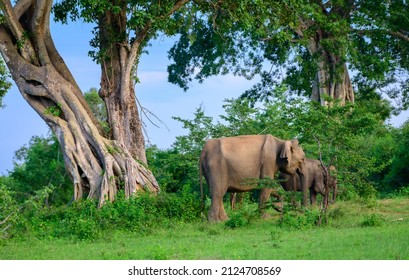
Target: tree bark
x=98, y=166
x=332, y=77
x=117, y=88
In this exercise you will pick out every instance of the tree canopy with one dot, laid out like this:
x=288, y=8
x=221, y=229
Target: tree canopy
x=308, y=46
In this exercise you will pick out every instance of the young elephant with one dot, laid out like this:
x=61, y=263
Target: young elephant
x=314, y=178
x=227, y=163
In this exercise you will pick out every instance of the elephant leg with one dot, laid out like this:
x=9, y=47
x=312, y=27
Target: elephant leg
x=214, y=209
x=263, y=198
x=222, y=213
x=216, y=204
x=313, y=197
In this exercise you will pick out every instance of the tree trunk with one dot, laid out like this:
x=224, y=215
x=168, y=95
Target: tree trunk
x=98, y=166
x=332, y=77
x=117, y=88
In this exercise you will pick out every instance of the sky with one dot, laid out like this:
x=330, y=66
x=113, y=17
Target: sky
x=19, y=122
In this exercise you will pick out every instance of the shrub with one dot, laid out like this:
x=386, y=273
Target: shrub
x=373, y=220
x=296, y=220
x=83, y=220
x=402, y=192
x=8, y=212
x=244, y=216
x=237, y=220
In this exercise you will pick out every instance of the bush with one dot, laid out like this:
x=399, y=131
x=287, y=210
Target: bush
x=373, y=220
x=83, y=220
x=237, y=220
x=243, y=217
x=78, y=229
x=402, y=192
x=295, y=220
x=8, y=212
x=39, y=164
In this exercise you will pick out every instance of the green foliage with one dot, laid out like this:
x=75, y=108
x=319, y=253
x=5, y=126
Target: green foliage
x=373, y=220
x=295, y=220
x=384, y=51
x=282, y=47
x=40, y=164
x=398, y=176
x=244, y=216
x=17, y=216
x=200, y=129
x=8, y=211
x=173, y=169
x=402, y=192
x=4, y=81
x=237, y=220
x=53, y=110
x=83, y=220
x=98, y=108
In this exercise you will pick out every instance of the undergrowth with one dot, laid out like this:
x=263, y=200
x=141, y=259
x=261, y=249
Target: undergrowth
x=83, y=220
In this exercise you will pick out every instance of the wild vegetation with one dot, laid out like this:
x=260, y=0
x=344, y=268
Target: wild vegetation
x=93, y=179
x=372, y=200
x=377, y=233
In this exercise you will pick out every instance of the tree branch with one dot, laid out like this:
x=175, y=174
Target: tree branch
x=27, y=51
x=39, y=26
x=145, y=30
x=11, y=19
x=21, y=7
x=397, y=34
x=8, y=217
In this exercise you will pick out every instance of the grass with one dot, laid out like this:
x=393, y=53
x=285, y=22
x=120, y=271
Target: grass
x=355, y=231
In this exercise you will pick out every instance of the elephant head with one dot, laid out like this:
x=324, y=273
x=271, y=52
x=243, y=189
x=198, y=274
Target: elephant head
x=291, y=158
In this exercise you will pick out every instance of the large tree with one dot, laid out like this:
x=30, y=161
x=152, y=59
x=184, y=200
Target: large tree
x=310, y=46
x=99, y=163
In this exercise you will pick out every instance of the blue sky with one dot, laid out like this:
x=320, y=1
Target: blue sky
x=18, y=122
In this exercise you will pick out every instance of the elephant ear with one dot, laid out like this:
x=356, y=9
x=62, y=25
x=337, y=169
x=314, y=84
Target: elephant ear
x=286, y=151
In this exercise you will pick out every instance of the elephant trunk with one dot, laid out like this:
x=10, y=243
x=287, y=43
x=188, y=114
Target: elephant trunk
x=304, y=187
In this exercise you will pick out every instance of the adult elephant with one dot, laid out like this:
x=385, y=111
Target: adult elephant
x=314, y=179
x=228, y=163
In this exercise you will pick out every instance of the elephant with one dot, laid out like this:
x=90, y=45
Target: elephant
x=314, y=177
x=226, y=163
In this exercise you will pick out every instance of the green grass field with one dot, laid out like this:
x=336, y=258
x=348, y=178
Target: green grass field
x=354, y=231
